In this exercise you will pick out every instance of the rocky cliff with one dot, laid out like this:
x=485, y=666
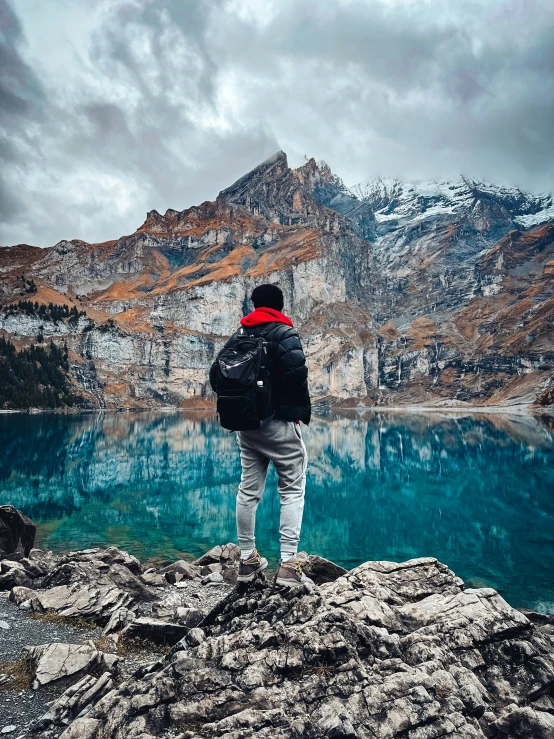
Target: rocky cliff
x=403, y=293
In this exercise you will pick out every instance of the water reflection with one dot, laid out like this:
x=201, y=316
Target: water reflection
x=475, y=492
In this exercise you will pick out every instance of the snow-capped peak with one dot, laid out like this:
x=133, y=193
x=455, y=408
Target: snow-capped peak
x=392, y=199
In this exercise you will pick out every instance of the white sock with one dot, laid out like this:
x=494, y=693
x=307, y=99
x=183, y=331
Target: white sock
x=245, y=553
x=285, y=556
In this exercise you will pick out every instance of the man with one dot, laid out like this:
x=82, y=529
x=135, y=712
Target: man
x=277, y=440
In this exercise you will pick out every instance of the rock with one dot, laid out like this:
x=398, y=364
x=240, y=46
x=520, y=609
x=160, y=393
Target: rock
x=4, y=625
x=76, y=700
x=211, y=556
x=219, y=555
x=13, y=574
x=190, y=617
x=180, y=570
x=109, y=557
x=118, y=620
x=19, y=595
x=385, y=650
x=335, y=721
x=45, y=561
x=166, y=606
x=195, y=637
x=319, y=569
x=159, y=632
x=13, y=578
x=230, y=573
x=107, y=662
x=7, y=565
x=8, y=729
x=525, y=722
x=54, y=662
x=213, y=577
x=93, y=584
x=94, y=600
x=154, y=579
x=15, y=527
x=34, y=567
x=82, y=728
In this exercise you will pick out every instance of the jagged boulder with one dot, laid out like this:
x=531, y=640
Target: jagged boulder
x=118, y=620
x=524, y=722
x=15, y=528
x=23, y=571
x=154, y=579
x=20, y=594
x=13, y=574
x=109, y=586
x=154, y=630
x=385, y=650
x=54, y=662
x=92, y=584
x=220, y=559
x=319, y=569
x=102, y=558
x=180, y=570
x=190, y=617
x=75, y=701
x=165, y=608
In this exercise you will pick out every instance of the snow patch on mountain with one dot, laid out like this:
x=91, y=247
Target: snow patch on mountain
x=393, y=200
x=535, y=219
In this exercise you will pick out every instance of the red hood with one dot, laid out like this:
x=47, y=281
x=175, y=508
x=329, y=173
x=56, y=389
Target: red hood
x=265, y=315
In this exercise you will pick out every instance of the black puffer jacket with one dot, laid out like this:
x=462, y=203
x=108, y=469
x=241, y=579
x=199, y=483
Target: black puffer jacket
x=287, y=369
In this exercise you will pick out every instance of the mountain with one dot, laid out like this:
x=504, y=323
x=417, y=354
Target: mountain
x=404, y=293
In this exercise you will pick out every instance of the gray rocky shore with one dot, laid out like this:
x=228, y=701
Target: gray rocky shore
x=95, y=646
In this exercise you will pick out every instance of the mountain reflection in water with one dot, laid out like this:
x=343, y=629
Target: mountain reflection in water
x=474, y=491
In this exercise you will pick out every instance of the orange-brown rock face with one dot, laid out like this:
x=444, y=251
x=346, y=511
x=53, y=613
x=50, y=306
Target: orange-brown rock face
x=402, y=293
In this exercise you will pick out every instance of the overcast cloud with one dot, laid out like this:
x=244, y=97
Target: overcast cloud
x=110, y=108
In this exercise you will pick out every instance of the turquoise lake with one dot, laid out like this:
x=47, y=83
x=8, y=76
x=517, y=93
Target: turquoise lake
x=477, y=492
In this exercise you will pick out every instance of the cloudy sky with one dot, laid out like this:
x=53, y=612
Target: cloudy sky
x=110, y=108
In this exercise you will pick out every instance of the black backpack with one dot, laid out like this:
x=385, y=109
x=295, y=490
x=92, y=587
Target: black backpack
x=242, y=382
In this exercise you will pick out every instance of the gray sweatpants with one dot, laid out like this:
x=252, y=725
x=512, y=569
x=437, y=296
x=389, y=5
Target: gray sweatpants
x=279, y=442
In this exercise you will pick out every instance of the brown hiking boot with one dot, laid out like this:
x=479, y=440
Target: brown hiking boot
x=249, y=568
x=290, y=574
